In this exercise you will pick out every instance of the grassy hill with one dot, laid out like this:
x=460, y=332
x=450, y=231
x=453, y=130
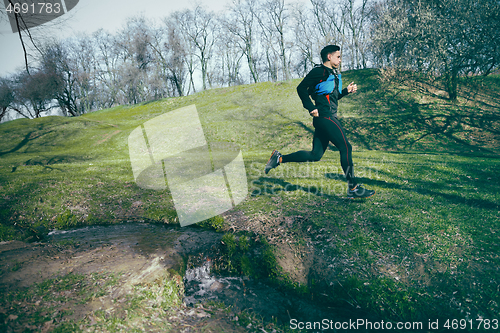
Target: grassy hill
x=426, y=246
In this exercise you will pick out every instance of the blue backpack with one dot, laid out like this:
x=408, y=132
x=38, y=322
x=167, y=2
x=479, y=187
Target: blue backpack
x=327, y=87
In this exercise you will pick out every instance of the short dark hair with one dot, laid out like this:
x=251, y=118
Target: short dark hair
x=328, y=50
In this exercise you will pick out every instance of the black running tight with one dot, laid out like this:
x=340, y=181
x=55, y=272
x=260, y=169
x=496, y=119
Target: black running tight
x=327, y=130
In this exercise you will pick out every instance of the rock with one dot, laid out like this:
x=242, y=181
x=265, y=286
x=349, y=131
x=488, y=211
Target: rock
x=216, y=286
x=202, y=314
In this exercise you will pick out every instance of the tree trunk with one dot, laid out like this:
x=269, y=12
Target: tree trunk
x=452, y=84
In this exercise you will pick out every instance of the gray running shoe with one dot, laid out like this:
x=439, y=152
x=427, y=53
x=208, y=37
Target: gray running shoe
x=359, y=192
x=273, y=162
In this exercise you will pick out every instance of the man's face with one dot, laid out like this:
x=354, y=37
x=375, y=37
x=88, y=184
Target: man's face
x=335, y=59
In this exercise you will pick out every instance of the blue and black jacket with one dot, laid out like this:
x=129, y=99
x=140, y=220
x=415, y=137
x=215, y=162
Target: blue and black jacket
x=325, y=88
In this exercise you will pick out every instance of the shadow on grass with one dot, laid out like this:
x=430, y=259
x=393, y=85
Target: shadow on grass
x=36, y=132
x=274, y=186
x=30, y=136
x=48, y=162
x=430, y=189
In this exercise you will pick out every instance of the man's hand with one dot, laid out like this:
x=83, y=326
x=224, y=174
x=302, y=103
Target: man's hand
x=352, y=87
x=314, y=113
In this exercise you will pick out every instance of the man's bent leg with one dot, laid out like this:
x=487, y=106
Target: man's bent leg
x=336, y=135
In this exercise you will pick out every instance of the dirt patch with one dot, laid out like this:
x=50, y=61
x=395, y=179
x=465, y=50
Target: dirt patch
x=91, y=278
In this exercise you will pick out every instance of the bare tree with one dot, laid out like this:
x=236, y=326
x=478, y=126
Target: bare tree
x=107, y=58
x=81, y=60
x=136, y=58
x=6, y=96
x=199, y=26
x=330, y=21
x=169, y=47
x=241, y=22
x=22, y=20
x=274, y=19
x=306, y=38
x=174, y=23
x=55, y=60
x=356, y=20
x=74, y=63
x=22, y=24
x=144, y=61
x=34, y=93
x=230, y=57
x=176, y=59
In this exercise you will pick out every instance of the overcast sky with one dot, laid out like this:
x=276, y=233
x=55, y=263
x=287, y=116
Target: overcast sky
x=89, y=16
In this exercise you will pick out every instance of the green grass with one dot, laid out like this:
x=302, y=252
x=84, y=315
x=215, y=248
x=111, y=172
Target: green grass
x=425, y=246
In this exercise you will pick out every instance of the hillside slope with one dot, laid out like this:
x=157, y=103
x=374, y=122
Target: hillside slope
x=87, y=157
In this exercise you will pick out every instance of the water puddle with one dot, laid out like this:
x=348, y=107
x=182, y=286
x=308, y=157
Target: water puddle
x=201, y=286
x=244, y=294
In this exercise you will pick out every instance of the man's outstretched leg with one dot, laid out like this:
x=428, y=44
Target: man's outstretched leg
x=320, y=143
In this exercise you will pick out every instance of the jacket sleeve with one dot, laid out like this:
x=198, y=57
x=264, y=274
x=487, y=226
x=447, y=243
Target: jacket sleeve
x=344, y=93
x=311, y=79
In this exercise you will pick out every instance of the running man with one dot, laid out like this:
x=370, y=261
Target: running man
x=324, y=84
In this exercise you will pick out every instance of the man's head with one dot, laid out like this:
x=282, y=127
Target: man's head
x=330, y=55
